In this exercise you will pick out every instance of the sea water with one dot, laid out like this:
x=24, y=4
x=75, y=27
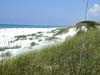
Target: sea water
x=27, y=26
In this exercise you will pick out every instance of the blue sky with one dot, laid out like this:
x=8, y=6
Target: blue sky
x=46, y=12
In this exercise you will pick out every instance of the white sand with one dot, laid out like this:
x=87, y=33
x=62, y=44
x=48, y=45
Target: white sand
x=8, y=35
x=71, y=32
x=84, y=28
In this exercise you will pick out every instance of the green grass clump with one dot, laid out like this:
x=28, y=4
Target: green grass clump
x=88, y=24
x=33, y=43
x=30, y=38
x=21, y=37
x=63, y=59
x=4, y=48
x=5, y=54
x=60, y=31
x=51, y=38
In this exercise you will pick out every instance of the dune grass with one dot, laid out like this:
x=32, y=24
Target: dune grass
x=63, y=59
x=7, y=54
x=4, y=48
x=61, y=31
x=88, y=24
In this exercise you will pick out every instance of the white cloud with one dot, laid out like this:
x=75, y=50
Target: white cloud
x=94, y=11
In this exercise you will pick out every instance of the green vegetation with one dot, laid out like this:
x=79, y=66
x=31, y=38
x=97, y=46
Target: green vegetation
x=1, y=49
x=33, y=43
x=4, y=48
x=88, y=24
x=40, y=40
x=30, y=38
x=33, y=35
x=21, y=37
x=5, y=54
x=24, y=37
x=38, y=36
x=63, y=59
x=61, y=31
x=39, y=32
x=51, y=38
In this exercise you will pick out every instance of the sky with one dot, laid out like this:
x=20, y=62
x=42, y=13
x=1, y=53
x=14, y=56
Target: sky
x=47, y=12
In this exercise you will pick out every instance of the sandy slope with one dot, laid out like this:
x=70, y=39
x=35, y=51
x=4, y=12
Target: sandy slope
x=16, y=41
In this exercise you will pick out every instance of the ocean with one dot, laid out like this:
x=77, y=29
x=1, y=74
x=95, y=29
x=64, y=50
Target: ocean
x=27, y=26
